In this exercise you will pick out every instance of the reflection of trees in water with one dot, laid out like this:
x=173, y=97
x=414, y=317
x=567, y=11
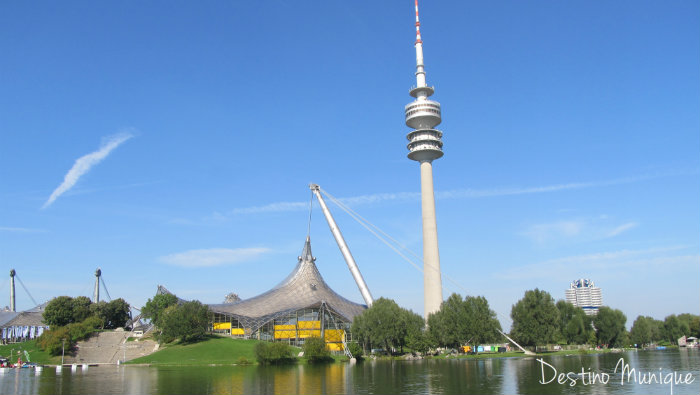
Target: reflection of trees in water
x=439, y=376
x=428, y=376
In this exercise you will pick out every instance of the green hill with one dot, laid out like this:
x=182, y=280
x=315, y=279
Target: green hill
x=35, y=354
x=213, y=350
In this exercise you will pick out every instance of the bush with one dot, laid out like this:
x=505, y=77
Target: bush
x=273, y=353
x=355, y=350
x=243, y=361
x=315, y=350
x=52, y=341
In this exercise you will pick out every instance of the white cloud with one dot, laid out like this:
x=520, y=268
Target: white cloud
x=622, y=228
x=213, y=256
x=601, y=264
x=451, y=194
x=542, y=233
x=272, y=207
x=578, y=230
x=83, y=164
x=20, y=230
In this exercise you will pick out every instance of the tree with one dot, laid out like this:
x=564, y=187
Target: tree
x=187, y=322
x=155, y=307
x=413, y=335
x=382, y=324
x=114, y=314
x=640, y=334
x=484, y=327
x=610, y=326
x=461, y=321
x=448, y=326
x=575, y=325
x=59, y=311
x=81, y=308
x=535, y=319
x=674, y=328
x=693, y=322
x=315, y=350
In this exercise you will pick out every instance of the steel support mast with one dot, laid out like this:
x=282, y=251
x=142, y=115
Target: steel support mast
x=366, y=295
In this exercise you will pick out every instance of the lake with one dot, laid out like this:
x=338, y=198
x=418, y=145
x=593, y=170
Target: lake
x=436, y=376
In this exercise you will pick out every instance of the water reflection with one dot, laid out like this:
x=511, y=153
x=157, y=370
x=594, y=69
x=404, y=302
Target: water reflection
x=504, y=375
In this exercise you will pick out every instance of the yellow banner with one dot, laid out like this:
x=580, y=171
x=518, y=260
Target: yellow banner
x=309, y=333
x=309, y=325
x=222, y=325
x=334, y=335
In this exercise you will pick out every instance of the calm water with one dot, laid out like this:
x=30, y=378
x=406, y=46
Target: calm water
x=497, y=376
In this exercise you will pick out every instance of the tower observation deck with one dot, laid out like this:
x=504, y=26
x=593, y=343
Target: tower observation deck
x=425, y=145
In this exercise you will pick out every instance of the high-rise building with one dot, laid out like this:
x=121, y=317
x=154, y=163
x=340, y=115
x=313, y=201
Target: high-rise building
x=583, y=293
x=425, y=145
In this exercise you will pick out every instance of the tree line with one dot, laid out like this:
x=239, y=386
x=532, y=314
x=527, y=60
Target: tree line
x=537, y=320
x=459, y=321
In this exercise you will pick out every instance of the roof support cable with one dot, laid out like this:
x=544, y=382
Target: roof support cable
x=26, y=290
x=311, y=206
x=368, y=225
x=102, y=280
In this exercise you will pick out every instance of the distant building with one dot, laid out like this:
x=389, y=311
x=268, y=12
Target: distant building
x=583, y=293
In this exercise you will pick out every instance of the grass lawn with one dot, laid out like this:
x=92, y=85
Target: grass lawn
x=35, y=354
x=212, y=350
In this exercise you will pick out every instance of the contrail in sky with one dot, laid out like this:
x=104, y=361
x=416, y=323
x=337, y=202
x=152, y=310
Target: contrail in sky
x=83, y=164
x=450, y=194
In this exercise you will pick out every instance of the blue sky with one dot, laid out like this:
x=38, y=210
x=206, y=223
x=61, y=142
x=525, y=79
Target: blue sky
x=172, y=143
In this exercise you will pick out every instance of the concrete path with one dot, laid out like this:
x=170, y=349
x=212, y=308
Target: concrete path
x=110, y=347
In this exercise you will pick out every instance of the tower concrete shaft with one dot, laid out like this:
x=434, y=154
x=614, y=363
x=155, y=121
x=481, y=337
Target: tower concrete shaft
x=432, y=281
x=425, y=145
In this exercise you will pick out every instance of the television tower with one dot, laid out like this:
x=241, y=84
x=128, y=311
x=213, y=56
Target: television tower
x=425, y=145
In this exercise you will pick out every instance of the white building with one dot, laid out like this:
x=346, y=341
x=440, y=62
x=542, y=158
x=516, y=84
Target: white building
x=583, y=293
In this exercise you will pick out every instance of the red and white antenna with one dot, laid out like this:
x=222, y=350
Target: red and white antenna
x=420, y=71
x=418, y=40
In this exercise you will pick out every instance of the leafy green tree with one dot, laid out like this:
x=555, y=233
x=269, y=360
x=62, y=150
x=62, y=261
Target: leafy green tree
x=59, y=311
x=81, y=308
x=461, y=321
x=674, y=328
x=640, y=334
x=188, y=322
x=483, y=326
x=657, y=329
x=693, y=322
x=413, y=335
x=155, y=307
x=448, y=326
x=610, y=326
x=315, y=350
x=114, y=314
x=575, y=325
x=535, y=319
x=382, y=324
